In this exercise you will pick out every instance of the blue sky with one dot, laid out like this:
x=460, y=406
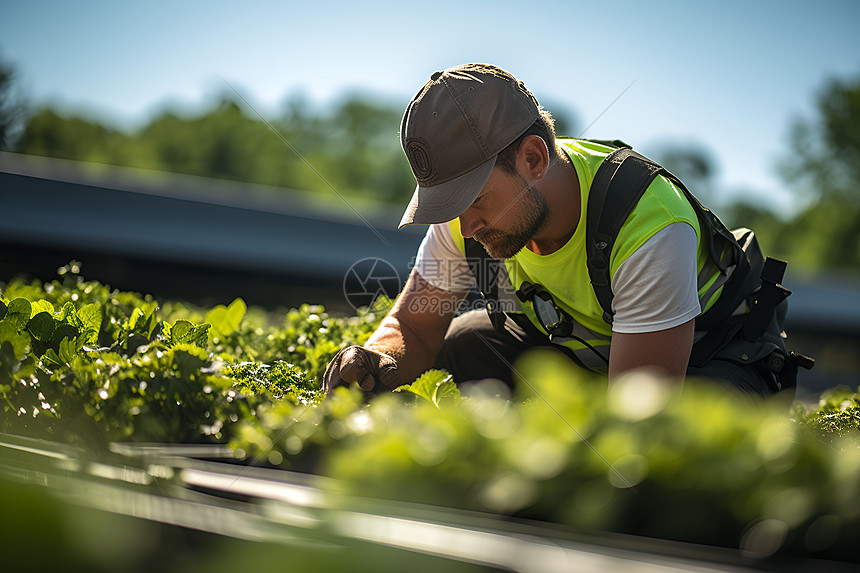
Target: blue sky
x=729, y=76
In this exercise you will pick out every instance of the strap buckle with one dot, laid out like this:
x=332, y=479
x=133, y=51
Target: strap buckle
x=769, y=295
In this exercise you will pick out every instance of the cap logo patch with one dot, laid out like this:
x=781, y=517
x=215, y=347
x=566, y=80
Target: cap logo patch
x=418, y=153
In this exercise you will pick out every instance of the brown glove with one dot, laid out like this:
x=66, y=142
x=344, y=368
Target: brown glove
x=373, y=371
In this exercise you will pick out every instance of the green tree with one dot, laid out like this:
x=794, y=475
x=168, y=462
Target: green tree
x=222, y=142
x=363, y=149
x=767, y=224
x=692, y=164
x=353, y=147
x=11, y=106
x=51, y=134
x=824, y=168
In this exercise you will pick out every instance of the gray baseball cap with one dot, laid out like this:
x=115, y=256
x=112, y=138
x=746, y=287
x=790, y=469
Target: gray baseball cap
x=452, y=131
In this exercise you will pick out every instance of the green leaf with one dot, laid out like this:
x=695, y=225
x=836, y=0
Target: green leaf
x=37, y=347
x=236, y=312
x=18, y=313
x=446, y=390
x=41, y=306
x=143, y=319
x=226, y=319
x=136, y=315
x=181, y=329
x=183, y=332
x=42, y=326
x=200, y=335
x=91, y=321
x=3, y=309
x=434, y=386
x=19, y=342
x=188, y=359
x=51, y=355
x=68, y=313
x=149, y=324
x=61, y=332
x=67, y=351
x=10, y=363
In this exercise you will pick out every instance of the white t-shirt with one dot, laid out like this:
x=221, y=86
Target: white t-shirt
x=655, y=288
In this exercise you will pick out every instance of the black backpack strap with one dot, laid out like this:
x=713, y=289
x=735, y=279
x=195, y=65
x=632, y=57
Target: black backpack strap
x=625, y=174
x=766, y=298
x=728, y=255
x=486, y=272
x=618, y=185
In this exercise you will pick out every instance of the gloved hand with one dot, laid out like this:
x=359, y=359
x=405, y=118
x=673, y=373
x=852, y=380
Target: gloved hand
x=373, y=371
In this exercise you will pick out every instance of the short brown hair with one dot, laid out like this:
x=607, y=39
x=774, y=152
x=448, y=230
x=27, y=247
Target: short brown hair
x=543, y=127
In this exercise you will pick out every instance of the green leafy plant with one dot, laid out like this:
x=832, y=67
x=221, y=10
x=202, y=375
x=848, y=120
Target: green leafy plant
x=278, y=380
x=83, y=363
x=435, y=386
x=836, y=419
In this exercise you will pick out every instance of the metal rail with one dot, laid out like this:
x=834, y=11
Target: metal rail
x=162, y=484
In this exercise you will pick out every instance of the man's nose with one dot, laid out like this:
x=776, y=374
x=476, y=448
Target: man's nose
x=470, y=224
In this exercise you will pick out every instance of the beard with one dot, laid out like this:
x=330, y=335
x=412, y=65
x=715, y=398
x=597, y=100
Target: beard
x=505, y=244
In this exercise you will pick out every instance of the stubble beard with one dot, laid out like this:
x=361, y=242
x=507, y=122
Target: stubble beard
x=504, y=244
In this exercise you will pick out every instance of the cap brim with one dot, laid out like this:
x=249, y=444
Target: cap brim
x=446, y=201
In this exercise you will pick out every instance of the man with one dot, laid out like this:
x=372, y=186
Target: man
x=489, y=167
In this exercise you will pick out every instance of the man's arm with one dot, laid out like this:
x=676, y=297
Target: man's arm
x=406, y=342
x=665, y=351
x=655, y=305
x=414, y=329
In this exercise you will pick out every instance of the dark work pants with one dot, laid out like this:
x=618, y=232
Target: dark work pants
x=474, y=350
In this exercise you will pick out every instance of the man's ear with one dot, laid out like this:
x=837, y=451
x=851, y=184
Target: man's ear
x=533, y=156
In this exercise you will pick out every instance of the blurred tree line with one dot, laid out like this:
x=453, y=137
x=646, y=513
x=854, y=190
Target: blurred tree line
x=822, y=168
x=11, y=106
x=354, y=147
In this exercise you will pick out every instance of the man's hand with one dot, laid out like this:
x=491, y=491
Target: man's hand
x=405, y=343
x=372, y=371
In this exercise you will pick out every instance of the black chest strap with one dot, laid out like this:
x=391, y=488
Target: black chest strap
x=486, y=272
x=627, y=174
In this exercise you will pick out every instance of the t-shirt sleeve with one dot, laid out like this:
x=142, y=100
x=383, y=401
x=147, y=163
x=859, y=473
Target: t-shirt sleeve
x=655, y=288
x=440, y=262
